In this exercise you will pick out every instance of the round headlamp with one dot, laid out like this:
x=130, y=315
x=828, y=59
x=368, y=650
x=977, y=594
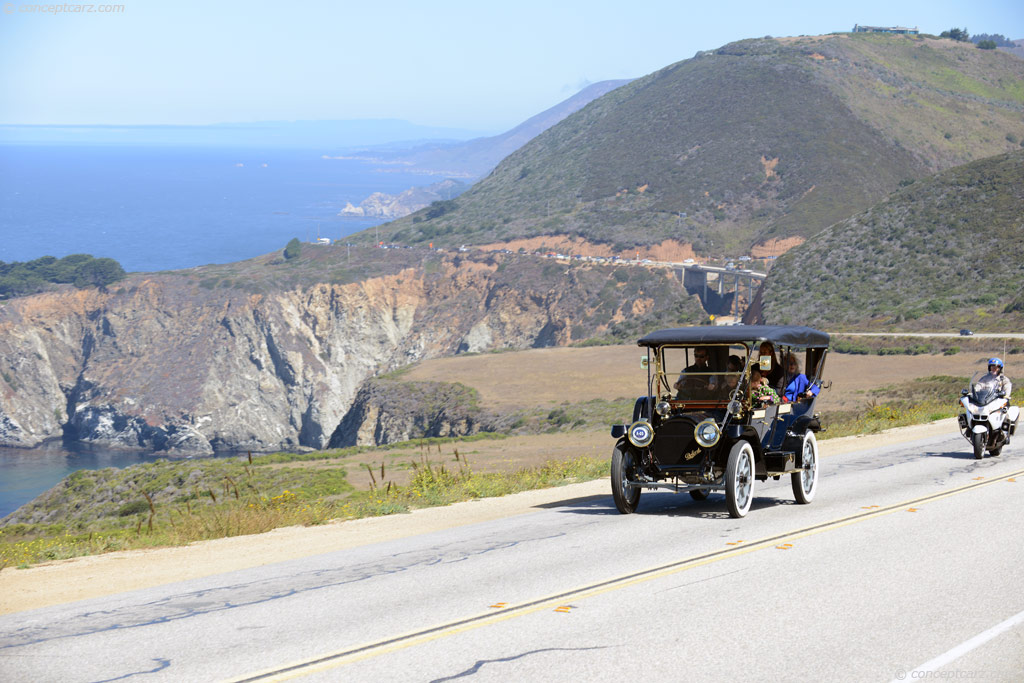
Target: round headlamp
x=640, y=433
x=663, y=408
x=707, y=433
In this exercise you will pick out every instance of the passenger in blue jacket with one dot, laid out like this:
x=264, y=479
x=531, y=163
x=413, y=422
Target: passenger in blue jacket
x=799, y=386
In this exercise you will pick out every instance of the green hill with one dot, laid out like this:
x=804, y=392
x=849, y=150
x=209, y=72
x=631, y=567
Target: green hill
x=942, y=253
x=759, y=139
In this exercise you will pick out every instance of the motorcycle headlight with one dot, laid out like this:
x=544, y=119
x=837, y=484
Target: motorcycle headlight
x=707, y=433
x=640, y=433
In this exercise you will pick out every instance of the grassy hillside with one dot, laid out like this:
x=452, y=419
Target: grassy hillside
x=477, y=157
x=944, y=252
x=759, y=139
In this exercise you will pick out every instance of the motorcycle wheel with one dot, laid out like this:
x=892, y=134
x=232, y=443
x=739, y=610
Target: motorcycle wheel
x=978, y=441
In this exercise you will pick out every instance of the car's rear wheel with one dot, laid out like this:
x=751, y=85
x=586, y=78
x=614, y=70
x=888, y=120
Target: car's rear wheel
x=805, y=483
x=699, y=494
x=739, y=479
x=626, y=495
x=978, y=441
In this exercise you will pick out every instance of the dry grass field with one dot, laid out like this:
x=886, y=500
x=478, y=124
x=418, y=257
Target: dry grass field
x=554, y=376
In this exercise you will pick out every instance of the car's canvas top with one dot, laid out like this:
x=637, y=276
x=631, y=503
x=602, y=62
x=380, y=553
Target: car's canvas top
x=783, y=335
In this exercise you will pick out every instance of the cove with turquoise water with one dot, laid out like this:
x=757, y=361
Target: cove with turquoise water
x=25, y=473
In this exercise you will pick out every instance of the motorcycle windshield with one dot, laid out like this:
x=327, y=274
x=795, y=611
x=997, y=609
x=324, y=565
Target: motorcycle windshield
x=983, y=388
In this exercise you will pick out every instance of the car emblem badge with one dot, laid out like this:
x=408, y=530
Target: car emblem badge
x=692, y=454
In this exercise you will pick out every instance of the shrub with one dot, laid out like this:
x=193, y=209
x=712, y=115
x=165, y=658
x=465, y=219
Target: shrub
x=293, y=249
x=98, y=273
x=83, y=270
x=957, y=34
x=132, y=508
x=440, y=208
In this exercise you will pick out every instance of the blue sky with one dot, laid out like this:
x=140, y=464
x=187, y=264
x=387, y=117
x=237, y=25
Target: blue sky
x=477, y=65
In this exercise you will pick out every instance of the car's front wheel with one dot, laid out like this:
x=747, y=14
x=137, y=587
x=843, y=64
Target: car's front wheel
x=805, y=483
x=626, y=495
x=739, y=479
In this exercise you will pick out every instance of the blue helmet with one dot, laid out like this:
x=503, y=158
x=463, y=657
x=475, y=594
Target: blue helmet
x=998, y=362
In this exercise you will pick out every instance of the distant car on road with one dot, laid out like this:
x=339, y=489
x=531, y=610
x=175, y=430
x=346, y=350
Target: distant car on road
x=966, y=333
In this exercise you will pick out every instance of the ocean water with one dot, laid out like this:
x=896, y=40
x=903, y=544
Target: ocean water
x=28, y=472
x=164, y=208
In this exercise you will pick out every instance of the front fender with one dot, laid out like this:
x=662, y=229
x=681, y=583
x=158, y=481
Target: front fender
x=804, y=423
x=642, y=408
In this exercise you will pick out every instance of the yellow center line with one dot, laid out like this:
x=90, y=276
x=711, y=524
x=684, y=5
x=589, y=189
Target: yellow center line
x=374, y=649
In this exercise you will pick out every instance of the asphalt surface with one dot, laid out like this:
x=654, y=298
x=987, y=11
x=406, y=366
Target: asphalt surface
x=909, y=556
x=980, y=335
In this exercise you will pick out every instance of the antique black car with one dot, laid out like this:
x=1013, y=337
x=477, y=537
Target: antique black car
x=725, y=407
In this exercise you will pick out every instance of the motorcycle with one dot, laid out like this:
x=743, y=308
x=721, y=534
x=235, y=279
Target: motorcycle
x=987, y=420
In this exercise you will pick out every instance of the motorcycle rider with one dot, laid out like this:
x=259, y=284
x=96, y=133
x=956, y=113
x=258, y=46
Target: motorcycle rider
x=996, y=376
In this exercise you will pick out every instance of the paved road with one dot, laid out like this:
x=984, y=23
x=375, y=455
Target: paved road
x=980, y=335
x=910, y=556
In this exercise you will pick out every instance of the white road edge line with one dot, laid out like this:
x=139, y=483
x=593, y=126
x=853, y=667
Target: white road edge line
x=963, y=648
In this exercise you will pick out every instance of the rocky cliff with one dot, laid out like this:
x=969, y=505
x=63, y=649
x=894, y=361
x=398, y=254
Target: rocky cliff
x=387, y=411
x=169, y=362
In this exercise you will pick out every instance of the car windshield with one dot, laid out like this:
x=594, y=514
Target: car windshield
x=701, y=373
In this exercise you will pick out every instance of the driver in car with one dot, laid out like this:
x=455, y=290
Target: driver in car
x=692, y=385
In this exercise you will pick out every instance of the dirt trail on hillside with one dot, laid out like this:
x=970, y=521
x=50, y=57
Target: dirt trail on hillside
x=666, y=250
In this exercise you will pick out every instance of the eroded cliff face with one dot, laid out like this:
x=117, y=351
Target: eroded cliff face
x=388, y=411
x=162, y=363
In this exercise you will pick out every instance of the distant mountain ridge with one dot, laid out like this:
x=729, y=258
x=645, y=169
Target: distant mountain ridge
x=470, y=159
x=759, y=140
x=318, y=135
x=1017, y=49
x=477, y=157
